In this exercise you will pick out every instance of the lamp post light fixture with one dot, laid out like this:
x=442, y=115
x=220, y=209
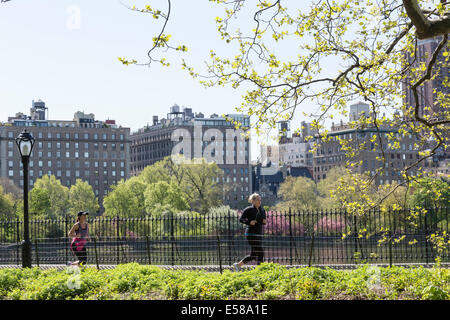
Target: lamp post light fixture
x=25, y=143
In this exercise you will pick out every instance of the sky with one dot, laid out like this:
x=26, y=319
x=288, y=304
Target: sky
x=66, y=53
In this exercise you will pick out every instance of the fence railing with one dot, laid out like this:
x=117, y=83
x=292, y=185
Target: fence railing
x=293, y=238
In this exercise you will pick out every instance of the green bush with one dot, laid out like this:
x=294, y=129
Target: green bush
x=267, y=281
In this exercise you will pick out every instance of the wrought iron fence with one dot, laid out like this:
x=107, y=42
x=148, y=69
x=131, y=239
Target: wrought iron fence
x=293, y=238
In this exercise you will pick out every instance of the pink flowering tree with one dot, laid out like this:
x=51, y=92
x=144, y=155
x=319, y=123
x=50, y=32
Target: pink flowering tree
x=330, y=225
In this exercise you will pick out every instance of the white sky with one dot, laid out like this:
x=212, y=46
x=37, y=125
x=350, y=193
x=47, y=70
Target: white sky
x=45, y=54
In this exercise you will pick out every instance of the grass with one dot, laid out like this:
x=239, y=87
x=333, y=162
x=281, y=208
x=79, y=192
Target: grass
x=267, y=281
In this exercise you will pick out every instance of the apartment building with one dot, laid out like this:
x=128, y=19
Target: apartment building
x=330, y=153
x=195, y=136
x=83, y=148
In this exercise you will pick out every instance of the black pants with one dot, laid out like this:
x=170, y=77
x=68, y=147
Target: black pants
x=257, y=253
x=81, y=255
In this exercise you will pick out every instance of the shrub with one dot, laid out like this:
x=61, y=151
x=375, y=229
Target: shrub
x=266, y=281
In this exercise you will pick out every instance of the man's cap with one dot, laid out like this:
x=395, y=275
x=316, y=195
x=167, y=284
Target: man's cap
x=80, y=213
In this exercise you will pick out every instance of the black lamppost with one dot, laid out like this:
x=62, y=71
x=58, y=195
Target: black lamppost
x=25, y=143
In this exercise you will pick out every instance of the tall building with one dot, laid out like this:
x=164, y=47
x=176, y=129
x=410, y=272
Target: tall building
x=195, y=136
x=295, y=152
x=358, y=110
x=82, y=148
x=427, y=92
x=330, y=154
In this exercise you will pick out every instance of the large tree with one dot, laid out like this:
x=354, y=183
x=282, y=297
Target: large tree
x=155, y=188
x=298, y=193
x=291, y=56
x=82, y=198
x=6, y=205
x=49, y=190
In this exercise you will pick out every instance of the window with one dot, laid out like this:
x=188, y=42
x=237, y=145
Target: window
x=10, y=134
x=11, y=173
x=86, y=136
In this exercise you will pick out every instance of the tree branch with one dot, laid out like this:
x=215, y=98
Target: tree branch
x=425, y=28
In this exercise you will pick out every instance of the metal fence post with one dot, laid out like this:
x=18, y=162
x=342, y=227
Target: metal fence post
x=148, y=250
x=18, y=241
x=390, y=238
x=37, y=251
x=290, y=237
x=311, y=249
x=65, y=235
x=426, y=238
x=229, y=237
x=355, y=231
x=117, y=240
x=220, y=254
x=172, y=257
x=96, y=254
